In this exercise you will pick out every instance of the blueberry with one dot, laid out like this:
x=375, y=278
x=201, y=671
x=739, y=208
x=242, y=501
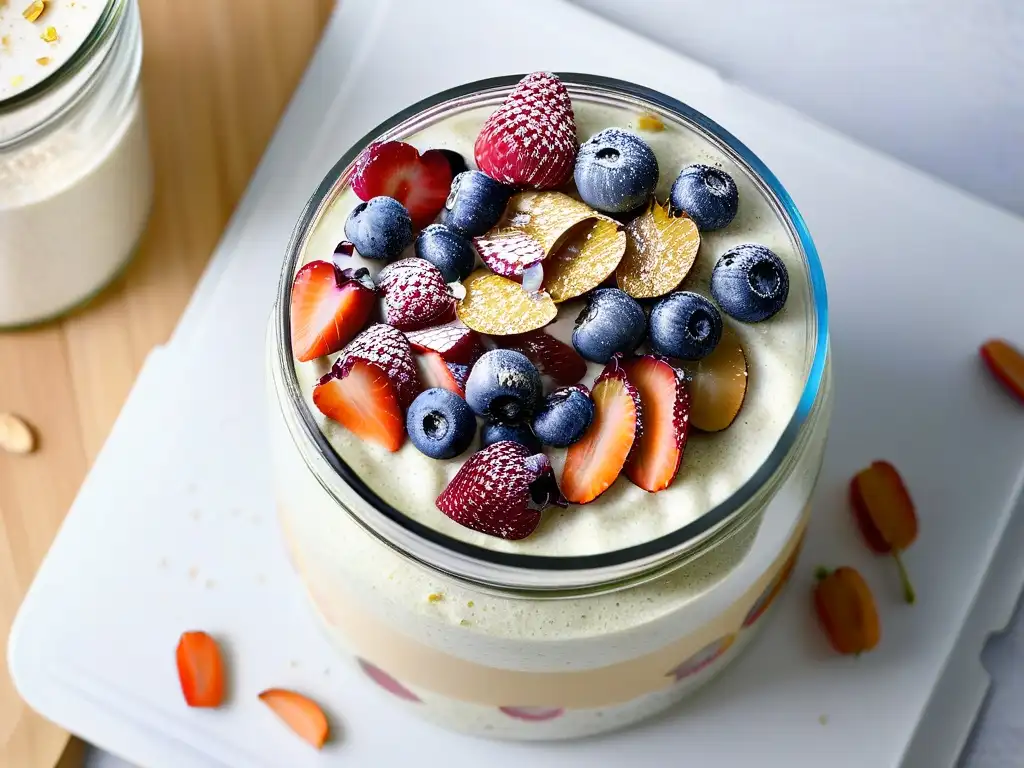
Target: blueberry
x=455, y=161
x=707, y=195
x=750, y=283
x=564, y=417
x=503, y=386
x=440, y=423
x=684, y=325
x=475, y=203
x=379, y=228
x=494, y=432
x=612, y=322
x=447, y=250
x=615, y=171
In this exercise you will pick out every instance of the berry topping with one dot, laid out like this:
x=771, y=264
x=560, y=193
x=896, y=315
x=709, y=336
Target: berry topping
x=453, y=341
x=359, y=396
x=719, y=385
x=666, y=423
x=344, y=248
x=299, y=713
x=389, y=350
x=1007, y=364
x=200, y=670
x=494, y=432
x=594, y=462
x=504, y=386
x=509, y=252
x=684, y=325
x=533, y=714
x=379, y=229
x=564, y=417
x=415, y=294
x=530, y=140
x=440, y=423
x=611, y=323
x=705, y=194
x=660, y=251
x=329, y=306
x=846, y=610
x=497, y=306
x=435, y=372
x=396, y=169
x=750, y=283
x=616, y=171
x=447, y=250
x=475, y=203
x=552, y=357
x=460, y=374
x=456, y=162
x=501, y=491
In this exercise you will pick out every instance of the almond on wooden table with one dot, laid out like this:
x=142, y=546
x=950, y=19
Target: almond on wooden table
x=16, y=436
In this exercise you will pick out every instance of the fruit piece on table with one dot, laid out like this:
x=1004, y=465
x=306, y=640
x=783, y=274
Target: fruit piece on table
x=200, y=670
x=453, y=341
x=16, y=436
x=415, y=294
x=329, y=307
x=389, y=350
x=665, y=422
x=447, y=250
x=397, y=170
x=435, y=373
x=494, y=432
x=660, y=251
x=719, y=385
x=299, y=713
x=885, y=514
x=846, y=610
x=530, y=140
x=750, y=283
x=380, y=228
x=593, y=463
x=552, y=357
x=684, y=325
x=359, y=396
x=705, y=194
x=497, y=306
x=611, y=323
x=589, y=255
x=475, y=204
x=1006, y=363
x=504, y=386
x=440, y=424
x=501, y=491
x=616, y=171
x=564, y=416
x=508, y=252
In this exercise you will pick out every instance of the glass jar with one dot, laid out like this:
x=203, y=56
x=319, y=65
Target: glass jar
x=75, y=174
x=525, y=646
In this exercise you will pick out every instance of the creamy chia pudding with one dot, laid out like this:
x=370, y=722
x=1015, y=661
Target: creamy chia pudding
x=549, y=394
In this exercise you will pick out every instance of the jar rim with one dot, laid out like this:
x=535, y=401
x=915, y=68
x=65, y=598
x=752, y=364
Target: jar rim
x=482, y=565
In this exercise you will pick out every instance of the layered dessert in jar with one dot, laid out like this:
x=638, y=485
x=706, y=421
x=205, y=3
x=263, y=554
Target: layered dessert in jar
x=549, y=394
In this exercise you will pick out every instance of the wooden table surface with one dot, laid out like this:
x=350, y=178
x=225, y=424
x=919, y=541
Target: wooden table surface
x=217, y=76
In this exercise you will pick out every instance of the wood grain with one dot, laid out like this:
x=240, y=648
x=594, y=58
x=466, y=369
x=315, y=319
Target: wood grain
x=217, y=76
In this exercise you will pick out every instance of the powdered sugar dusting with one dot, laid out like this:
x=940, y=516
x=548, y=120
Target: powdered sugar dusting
x=508, y=252
x=415, y=293
x=389, y=350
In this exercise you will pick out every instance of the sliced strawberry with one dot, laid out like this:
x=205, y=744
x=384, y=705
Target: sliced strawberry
x=299, y=713
x=453, y=341
x=1006, y=363
x=359, y=396
x=434, y=372
x=593, y=463
x=552, y=357
x=415, y=294
x=501, y=491
x=329, y=307
x=395, y=169
x=666, y=422
x=200, y=670
x=389, y=350
x=509, y=252
x=530, y=140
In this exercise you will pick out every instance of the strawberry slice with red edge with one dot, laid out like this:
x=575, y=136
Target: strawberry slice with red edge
x=552, y=357
x=530, y=140
x=1006, y=363
x=594, y=462
x=359, y=396
x=200, y=670
x=415, y=294
x=435, y=372
x=501, y=491
x=329, y=306
x=395, y=169
x=389, y=350
x=453, y=341
x=300, y=713
x=655, y=462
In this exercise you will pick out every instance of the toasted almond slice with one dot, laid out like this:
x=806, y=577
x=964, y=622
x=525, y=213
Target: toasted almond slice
x=497, y=306
x=719, y=385
x=660, y=251
x=34, y=10
x=547, y=217
x=16, y=436
x=586, y=259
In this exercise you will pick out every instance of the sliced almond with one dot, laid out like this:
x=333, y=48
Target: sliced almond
x=719, y=385
x=497, y=306
x=34, y=10
x=586, y=259
x=547, y=217
x=16, y=436
x=660, y=251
